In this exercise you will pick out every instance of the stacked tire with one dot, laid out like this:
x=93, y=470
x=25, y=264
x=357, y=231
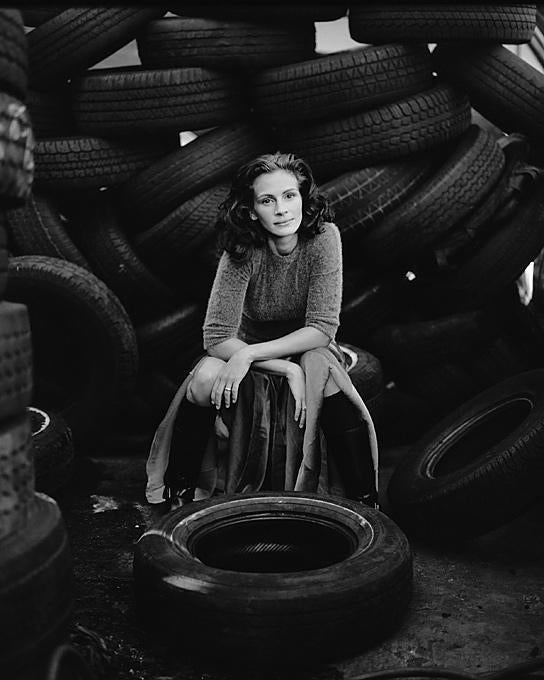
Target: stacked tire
x=435, y=187
x=443, y=258
x=36, y=597
x=115, y=246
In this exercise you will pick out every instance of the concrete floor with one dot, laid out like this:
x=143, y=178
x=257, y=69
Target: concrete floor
x=477, y=607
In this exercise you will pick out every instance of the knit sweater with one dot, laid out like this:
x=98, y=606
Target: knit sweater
x=270, y=295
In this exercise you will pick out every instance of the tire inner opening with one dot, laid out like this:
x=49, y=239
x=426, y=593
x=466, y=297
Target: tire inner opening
x=272, y=544
x=481, y=435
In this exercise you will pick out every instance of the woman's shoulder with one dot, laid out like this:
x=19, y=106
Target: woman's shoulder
x=228, y=262
x=327, y=238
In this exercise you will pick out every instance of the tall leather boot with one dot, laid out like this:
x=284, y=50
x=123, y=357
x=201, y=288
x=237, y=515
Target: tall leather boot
x=348, y=444
x=190, y=434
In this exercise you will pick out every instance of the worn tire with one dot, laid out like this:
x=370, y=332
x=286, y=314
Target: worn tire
x=13, y=54
x=16, y=152
x=97, y=32
x=52, y=450
x=17, y=478
x=36, y=588
x=342, y=83
x=498, y=261
x=85, y=350
x=113, y=259
x=50, y=113
x=423, y=121
x=265, y=12
x=37, y=228
x=85, y=162
x=503, y=87
x=434, y=23
x=233, y=46
x=478, y=467
x=132, y=100
x=153, y=193
x=15, y=360
x=306, y=602
x=363, y=197
x=181, y=235
x=467, y=174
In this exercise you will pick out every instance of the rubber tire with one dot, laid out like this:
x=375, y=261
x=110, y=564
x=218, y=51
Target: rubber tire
x=66, y=659
x=132, y=100
x=99, y=235
x=295, y=13
x=36, y=15
x=15, y=360
x=16, y=152
x=52, y=450
x=51, y=113
x=465, y=236
x=424, y=343
x=420, y=122
x=503, y=87
x=13, y=54
x=97, y=32
x=275, y=617
x=469, y=172
x=37, y=228
x=499, y=477
x=497, y=263
x=181, y=236
x=85, y=350
x=17, y=479
x=36, y=588
x=361, y=199
x=153, y=193
x=84, y=162
x=371, y=306
x=173, y=42
x=342, y=83
x=3, y=257
x=435, y=23
x=162, y=339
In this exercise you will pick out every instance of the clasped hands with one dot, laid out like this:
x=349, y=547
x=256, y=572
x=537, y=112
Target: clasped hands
x=227, y=383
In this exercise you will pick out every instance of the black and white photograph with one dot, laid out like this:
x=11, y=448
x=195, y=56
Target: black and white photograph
x=272, y=341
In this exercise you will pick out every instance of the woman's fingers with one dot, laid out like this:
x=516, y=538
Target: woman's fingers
x=224, y=390
x=302, y=421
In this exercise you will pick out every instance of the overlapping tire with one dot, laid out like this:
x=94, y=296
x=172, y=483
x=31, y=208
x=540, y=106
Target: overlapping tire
x=477, y=468
x=85, y=350
x=378, y=127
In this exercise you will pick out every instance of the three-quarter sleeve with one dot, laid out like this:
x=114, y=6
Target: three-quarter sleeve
x=226, y=301
x=325, y=286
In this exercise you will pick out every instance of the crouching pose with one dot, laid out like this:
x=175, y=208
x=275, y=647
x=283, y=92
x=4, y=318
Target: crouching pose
x=270, y=404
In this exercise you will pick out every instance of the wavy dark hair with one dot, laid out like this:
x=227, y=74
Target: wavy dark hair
x=238, y=234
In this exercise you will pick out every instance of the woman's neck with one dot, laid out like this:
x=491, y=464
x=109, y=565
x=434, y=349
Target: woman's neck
x=283, y=246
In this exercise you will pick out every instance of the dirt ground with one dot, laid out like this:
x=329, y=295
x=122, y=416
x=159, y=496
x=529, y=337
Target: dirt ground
x=476, y=607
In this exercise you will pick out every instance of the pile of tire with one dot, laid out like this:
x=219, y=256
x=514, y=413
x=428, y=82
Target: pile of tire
x=36, y=595
x=429, y=199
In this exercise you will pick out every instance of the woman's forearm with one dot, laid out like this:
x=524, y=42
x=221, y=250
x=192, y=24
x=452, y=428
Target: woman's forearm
x=301, y=340
x=297, y=342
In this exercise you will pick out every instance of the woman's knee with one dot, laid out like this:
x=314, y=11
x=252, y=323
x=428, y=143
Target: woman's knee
x=200, y=387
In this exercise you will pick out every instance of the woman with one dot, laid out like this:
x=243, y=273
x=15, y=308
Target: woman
x=271, y=320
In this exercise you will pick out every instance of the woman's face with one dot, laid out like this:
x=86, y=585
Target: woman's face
x=277, y=203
